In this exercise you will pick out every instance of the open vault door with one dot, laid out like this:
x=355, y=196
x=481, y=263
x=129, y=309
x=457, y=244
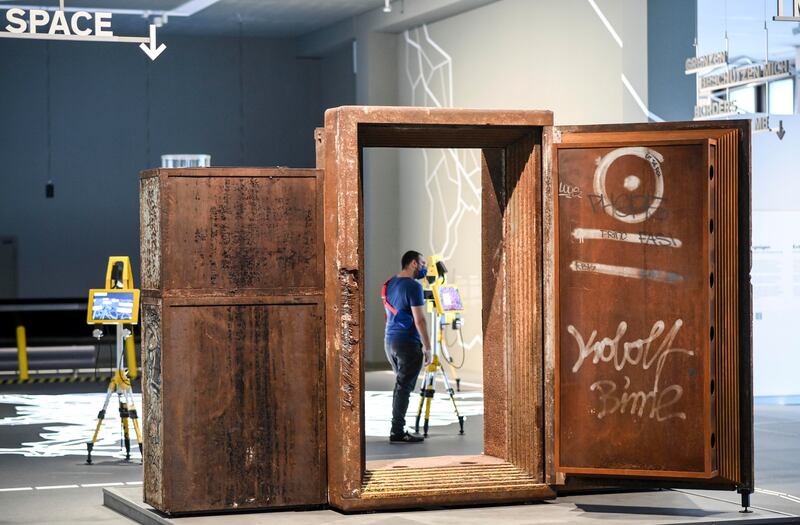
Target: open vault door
x=647, y=325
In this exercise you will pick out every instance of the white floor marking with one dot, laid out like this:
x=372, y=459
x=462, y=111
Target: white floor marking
x=68, y=423
x=783, y=495
x=82, y=486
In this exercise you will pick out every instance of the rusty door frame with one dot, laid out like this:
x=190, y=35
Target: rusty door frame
x=511, y=143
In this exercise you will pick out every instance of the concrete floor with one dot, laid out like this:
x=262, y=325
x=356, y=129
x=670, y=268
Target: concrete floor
x=65, y=490
x=443, y=440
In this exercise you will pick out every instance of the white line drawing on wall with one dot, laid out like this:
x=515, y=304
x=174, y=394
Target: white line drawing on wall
x=457, y=172
x=653, y=158
x=625, y=81
x=651, y=239
x=637, y=353
x=626, y=271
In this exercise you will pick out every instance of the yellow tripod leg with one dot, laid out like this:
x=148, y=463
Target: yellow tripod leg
x=428, y=398
x=121, y=381
x=427, y=378
x=453, y=400
x=134, y=416
x=430, y=390
x=130, y=355
x=123, y=414
x=421, y=401
x=100, y=417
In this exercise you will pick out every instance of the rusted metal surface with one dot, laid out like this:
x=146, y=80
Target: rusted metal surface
x=514, y=331
x=233, y=339
x=632, y=397
x=549, y=137
x=244, y=409
x=523, y=244
x=634, y=362
x=214, y=222
x=495, y=370
x=246, y=431
x=726, y=187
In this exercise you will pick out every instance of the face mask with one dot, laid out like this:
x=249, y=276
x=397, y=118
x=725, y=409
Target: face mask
x=420, y=274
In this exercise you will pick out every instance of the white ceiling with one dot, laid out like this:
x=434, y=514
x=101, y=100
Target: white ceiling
x=269, y=18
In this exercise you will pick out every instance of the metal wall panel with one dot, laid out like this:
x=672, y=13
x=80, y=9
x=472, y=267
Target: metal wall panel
x=233, y=339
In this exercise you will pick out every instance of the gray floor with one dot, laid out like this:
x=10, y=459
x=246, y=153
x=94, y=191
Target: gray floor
x=442, y=440
x=642, y=508
x=65, y=490
x=57, y=489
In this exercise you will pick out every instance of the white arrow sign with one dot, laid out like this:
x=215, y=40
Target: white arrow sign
x=152, y=51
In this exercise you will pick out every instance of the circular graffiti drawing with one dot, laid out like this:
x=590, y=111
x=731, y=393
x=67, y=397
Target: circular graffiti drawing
x=654, y=159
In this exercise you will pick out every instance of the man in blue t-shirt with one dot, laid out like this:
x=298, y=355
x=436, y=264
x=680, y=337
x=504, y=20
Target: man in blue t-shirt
x=405, y=337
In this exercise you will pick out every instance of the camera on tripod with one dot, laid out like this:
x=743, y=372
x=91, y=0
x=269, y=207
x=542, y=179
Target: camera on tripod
x=443, y=303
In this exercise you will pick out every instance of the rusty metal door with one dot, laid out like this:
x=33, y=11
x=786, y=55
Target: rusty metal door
x=648, y=320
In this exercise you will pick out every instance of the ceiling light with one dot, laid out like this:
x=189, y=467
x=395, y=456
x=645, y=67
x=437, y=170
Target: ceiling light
x=387, y=6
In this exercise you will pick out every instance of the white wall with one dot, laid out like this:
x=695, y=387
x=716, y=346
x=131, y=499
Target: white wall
x=560, y=56
x=509, y=54
x=775, y=183
x=776, y=261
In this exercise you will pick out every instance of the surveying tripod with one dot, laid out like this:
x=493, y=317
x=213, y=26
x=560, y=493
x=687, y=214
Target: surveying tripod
x=439, y=320
x=117, y=303
x=121, y=384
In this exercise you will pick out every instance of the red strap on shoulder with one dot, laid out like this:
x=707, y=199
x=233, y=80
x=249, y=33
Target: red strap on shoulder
x=385, y=301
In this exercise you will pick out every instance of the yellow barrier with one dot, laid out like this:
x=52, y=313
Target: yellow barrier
x=22, y=353
x=130, y=355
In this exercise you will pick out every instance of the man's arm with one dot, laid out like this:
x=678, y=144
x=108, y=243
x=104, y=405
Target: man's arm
x=422, y=327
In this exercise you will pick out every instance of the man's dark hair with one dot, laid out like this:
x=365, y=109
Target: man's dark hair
x=408, y=257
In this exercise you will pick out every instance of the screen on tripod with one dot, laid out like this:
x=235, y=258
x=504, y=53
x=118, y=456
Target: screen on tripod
x=113, y=306
x=450, y=299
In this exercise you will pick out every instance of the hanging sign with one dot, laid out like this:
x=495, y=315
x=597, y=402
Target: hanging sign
x=761, y=124
x=35, y=22
x=702, y=63
x=760, y=73
x=795, y=12
x=722, y=108
x=79, y=25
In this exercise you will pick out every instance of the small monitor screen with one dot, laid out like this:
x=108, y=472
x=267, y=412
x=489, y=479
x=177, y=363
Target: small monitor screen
x=112, y=306
x=450, y=299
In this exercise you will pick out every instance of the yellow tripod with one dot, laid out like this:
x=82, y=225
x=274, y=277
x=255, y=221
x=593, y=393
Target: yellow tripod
x=439, y=318
x=429, y=389
x=121, y=384
x=117, y=303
